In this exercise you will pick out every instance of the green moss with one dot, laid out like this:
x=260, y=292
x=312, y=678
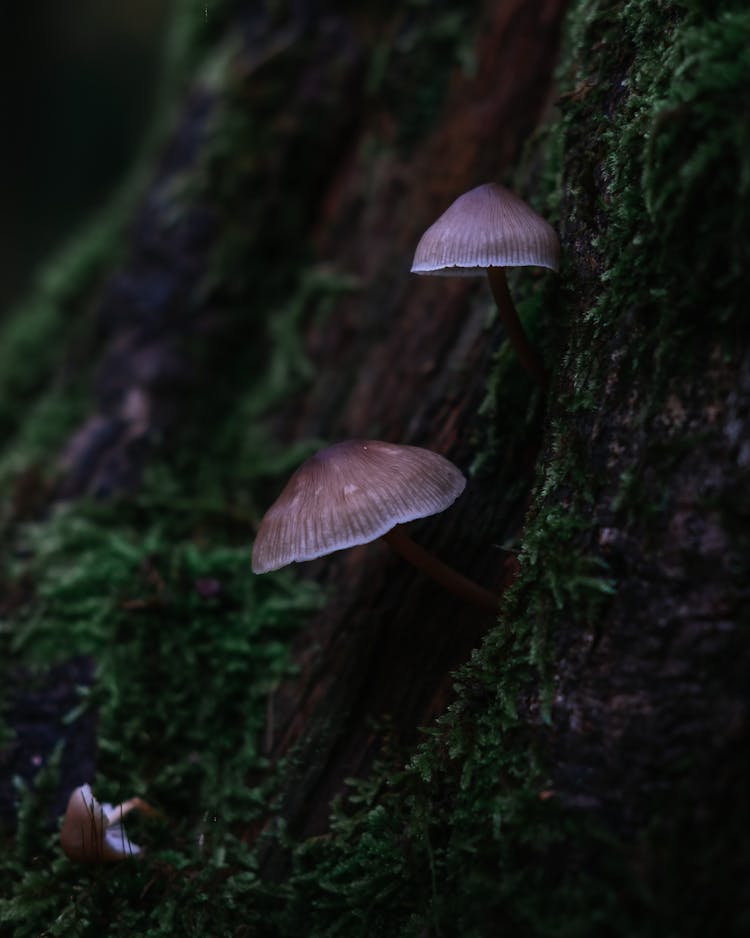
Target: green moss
x=188, y=648
x=42, y=336
x=676, y=169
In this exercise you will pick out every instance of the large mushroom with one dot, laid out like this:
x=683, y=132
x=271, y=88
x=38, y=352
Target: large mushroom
x=484, y=231
x=93, y=832
x=359, y=490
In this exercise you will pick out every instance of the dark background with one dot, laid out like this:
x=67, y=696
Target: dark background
x=80, y=87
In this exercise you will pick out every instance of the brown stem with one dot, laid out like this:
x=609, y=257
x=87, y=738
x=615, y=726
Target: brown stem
x=118, y=812
x=513, y=329
x=440, y=572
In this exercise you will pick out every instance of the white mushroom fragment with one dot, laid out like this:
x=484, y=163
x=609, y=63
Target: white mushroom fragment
x=93, y=832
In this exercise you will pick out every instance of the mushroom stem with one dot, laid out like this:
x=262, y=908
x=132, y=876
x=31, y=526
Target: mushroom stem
x=441, y=573
x=513, y=329
x=118, y=812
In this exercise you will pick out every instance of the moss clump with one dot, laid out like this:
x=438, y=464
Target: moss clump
x=188, y=648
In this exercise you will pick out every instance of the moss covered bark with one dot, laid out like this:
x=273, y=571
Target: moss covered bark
x=583, y=772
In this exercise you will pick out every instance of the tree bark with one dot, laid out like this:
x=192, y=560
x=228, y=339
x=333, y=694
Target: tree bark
x=402, y=358
x=615, y=502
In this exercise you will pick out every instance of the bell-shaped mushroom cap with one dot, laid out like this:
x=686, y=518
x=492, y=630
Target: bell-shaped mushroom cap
x=486, y=227
x=92, y=832
x=351, y=493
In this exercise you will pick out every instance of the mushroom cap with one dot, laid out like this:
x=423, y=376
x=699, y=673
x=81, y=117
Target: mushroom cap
x=486, y=227
x=92, y=832
x=352, y=493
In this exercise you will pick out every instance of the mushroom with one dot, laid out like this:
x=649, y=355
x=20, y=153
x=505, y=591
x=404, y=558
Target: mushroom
x=93, y=833
x=484, y=231
x=354, y=492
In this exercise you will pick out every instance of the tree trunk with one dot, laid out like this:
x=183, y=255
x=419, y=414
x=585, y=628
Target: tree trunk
x=586, y=754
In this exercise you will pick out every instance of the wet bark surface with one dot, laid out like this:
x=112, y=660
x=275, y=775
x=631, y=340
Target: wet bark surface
x=165, y=320
x=651, y=713
x=407, y=361
x=652, y=704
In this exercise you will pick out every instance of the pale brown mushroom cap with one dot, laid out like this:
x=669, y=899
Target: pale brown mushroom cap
x=486, y=227
x=352, y=493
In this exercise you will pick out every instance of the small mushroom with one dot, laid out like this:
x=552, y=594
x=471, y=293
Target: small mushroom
x=354, y=492
x=484, y=231
x=93, y=833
